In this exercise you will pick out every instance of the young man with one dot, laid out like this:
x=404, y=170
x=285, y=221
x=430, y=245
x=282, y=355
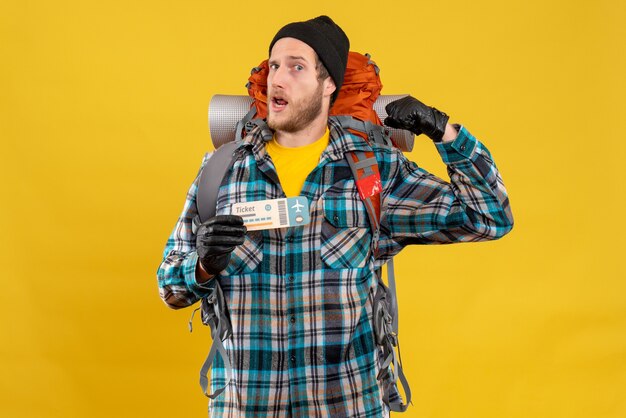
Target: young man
x=300, y=298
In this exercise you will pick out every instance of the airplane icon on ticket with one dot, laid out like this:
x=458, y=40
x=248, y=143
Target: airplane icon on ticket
x=298, y=207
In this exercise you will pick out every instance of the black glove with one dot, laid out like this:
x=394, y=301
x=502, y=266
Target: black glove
x=411, y=114
x=216, y=239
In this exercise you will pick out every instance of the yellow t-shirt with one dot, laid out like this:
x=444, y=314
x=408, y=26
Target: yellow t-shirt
x=293, y=165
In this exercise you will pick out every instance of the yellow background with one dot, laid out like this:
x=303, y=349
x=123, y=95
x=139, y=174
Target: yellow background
x=103, y=127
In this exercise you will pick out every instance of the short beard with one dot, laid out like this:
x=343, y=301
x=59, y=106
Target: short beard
x=304, y=113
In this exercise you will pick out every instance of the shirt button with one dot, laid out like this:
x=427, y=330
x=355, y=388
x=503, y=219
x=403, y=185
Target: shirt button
x=463, y=147
x=336, y=218
x=290, y=279
x=292, y=319
x=293, y=359
x=289, y=239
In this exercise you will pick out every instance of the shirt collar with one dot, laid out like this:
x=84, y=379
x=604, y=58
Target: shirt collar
x=340, y=142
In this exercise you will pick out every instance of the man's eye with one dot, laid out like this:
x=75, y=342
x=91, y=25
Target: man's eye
x=273, y=66
x=298, y=67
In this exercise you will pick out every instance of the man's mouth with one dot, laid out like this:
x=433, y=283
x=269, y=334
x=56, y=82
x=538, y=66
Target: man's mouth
x=278, y=103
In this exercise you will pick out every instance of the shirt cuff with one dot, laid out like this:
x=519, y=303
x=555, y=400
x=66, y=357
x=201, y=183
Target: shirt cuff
x=461, y=149
x=189, y=272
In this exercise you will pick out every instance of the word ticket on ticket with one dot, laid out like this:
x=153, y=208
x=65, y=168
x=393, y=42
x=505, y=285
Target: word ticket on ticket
x=273, y=213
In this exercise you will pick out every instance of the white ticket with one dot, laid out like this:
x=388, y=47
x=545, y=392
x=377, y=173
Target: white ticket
x=273, y=213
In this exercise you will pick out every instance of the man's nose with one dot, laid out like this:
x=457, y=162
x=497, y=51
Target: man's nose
x=277, y=77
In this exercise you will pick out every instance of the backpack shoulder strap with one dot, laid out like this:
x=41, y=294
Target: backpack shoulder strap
x=213, y=307
x=376, y=133
x=367, y=177
x=210, y=180
x=213, y=312
x=396, y=405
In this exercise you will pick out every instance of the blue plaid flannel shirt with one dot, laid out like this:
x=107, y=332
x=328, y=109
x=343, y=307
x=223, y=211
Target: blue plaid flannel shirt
x=300, y=299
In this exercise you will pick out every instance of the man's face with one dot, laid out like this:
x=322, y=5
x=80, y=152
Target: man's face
x=295, y=94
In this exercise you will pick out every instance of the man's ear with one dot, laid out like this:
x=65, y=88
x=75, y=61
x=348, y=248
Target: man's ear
x=329, y=86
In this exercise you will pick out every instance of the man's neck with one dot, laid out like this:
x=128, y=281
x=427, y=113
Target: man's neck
x=314, y=131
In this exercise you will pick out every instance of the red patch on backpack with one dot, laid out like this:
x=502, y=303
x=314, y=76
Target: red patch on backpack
x=369, y=186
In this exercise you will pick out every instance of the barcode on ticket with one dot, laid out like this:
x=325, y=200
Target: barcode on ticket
x=282, y=212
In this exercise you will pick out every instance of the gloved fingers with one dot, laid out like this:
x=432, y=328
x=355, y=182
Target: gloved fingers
x=218, y=250
x=221, y=229
x=392, y=123
x=209, y=231
x=400, y=113
x=222, y=225
x=403, y=124
x=220, y=240
x=233, y=220
x=400, y=106
x=216, y=239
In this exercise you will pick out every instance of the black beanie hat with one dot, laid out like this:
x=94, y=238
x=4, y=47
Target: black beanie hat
x=327, y=39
